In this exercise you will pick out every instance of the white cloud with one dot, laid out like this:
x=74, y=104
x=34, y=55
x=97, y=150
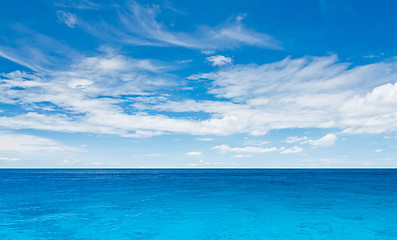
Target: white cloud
x=36, y=51
x=68, y=18
x=294, y=149
x=374, y=112
x=69, y=162
x=219, y=60
x=200, y=163
x=374, y=56
x=205, y=139
x=77, y=91
x=151, y=155
x=225, y=148
x=370, y=56
x=235, y=34
x=320, y=77
x=137, y=25
x=90, y=97
x=194, y=154
x=208, y=52
x=326, y=141
x=93, y=164
x=185, y=61
x=242, y=155
x=81, y=4
x=10, y=142
x=7, y=159
x=10, y=55
x=295, y=139
x=379, y=150
x=310, y=92
x=222, y=148
x=255, y=142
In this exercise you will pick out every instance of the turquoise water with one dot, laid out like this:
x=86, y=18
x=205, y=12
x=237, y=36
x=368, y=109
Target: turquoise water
x=198, y=204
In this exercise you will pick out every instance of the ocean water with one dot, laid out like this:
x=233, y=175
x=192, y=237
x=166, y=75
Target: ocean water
x=198, y=204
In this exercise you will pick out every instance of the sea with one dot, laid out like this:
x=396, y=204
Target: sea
x=198, y=204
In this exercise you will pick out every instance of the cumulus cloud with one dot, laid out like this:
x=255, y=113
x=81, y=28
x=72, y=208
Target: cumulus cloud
x=326, y=141
x=374, y=112
x=219, y=60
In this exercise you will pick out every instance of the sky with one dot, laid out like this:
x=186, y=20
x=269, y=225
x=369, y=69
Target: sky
x=198, y=84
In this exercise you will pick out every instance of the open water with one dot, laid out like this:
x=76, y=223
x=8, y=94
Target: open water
x=198, y=204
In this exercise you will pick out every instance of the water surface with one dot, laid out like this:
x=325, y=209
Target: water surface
x=198, y=204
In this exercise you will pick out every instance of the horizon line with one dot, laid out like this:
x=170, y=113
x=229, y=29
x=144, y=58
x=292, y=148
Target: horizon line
x=198, y=168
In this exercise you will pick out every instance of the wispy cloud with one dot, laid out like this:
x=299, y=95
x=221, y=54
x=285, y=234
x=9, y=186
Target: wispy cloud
x=13, y=57
x=205, y=139
x=114, y=94
x=295, y=139
x=194, y=154
x=315, y=92
x=255, y=142
x=7, y=159
x=138, y=25
x=294, y=149
x=374, y=56
x=78, y=4
x=10, y=142
x=242, y=156
x=322, y=77
x=325, y=141
x=226, y=148
x=150, y=155
x=68, y=18
x=204, y=163
x=36, y=51
x=208, y=52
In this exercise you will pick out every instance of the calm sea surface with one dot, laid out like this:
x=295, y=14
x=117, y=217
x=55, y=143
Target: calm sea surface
x=198, y=204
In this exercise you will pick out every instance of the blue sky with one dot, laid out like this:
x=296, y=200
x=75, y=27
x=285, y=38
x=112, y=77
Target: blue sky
x=198, y=83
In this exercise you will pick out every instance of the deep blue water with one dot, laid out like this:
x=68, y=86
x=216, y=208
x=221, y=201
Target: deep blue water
x=198, y=204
